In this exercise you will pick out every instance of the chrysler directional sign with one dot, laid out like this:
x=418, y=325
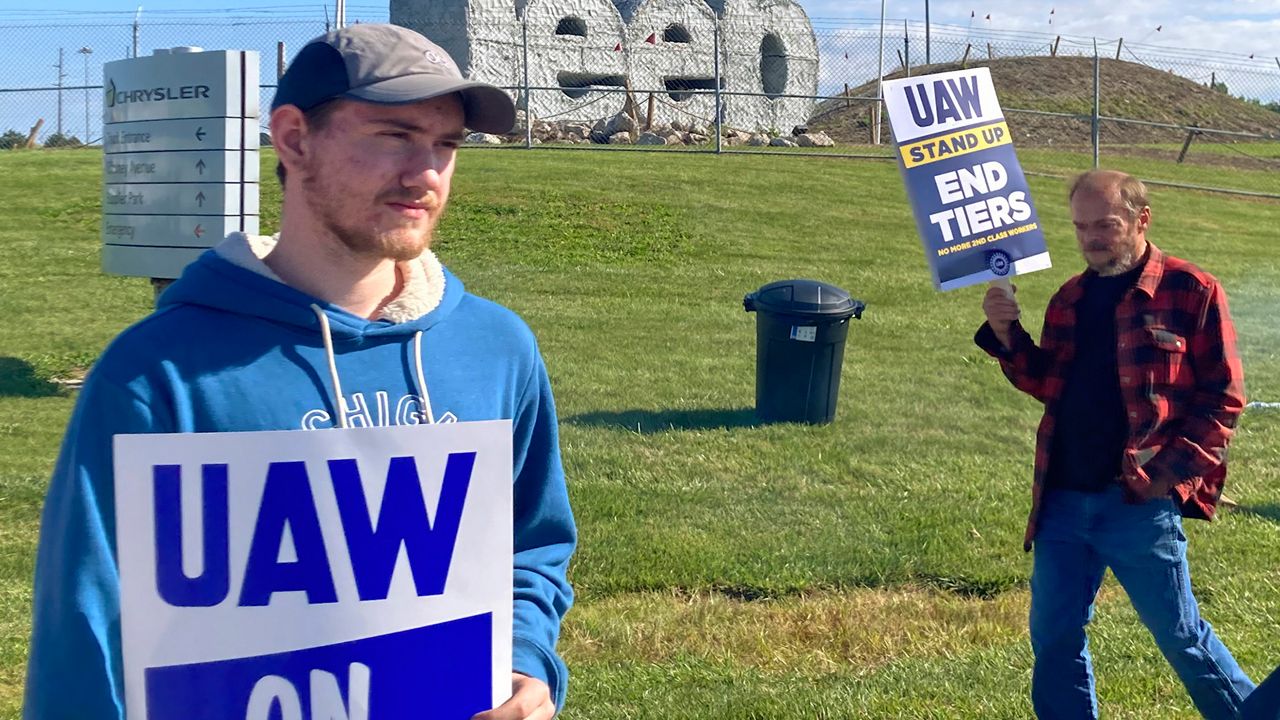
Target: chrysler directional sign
x=180, y=157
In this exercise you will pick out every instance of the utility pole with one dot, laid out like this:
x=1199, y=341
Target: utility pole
x=62, y=75
x=906, y=49
x=86, y=52
x=927, y=61
x=136, y=17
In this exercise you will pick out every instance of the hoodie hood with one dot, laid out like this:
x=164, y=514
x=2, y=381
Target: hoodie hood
x=232, y=277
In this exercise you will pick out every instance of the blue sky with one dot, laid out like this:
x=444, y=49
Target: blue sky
x=1238, y=26
x=1229, y=26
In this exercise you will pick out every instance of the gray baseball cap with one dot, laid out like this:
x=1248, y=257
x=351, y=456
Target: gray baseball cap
x=392, y=65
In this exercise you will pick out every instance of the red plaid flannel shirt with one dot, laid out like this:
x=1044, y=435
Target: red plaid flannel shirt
x=1180, y=375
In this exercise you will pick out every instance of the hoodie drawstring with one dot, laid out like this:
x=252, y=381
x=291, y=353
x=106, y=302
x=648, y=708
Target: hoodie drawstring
x=340, y=402
x=422, y=379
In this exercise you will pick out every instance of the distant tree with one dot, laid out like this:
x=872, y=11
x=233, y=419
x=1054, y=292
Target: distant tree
x=1273, y=106
x=1220, y=86
x=58, y=140
x=12, y=139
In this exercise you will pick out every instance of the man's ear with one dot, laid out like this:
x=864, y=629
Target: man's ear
x=288, y=130
x=1144, y=218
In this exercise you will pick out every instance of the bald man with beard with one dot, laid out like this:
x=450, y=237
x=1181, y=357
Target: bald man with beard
x=1142, y=386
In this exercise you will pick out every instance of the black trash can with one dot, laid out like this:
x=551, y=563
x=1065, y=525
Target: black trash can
x=801, y=326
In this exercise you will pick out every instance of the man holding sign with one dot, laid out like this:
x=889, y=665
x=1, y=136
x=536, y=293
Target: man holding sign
x=1138, y=371
x=197, y=562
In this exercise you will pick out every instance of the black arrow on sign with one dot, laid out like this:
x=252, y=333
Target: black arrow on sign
x=200, y=198
x=200, y=133
x=199, y=231
x=200, y=166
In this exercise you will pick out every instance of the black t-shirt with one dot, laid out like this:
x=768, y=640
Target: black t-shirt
x=1091, y=425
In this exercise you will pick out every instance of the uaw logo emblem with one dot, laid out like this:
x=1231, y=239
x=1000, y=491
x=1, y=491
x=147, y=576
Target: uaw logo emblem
x=434, y=57
x=999, y=262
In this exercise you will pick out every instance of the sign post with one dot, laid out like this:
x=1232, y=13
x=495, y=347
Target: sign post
x=972, y=205
x=180, y=157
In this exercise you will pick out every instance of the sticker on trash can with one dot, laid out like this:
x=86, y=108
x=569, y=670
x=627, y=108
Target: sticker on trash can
x=804, y=333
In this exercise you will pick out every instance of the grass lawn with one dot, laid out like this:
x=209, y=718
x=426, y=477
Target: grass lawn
x=868, y=568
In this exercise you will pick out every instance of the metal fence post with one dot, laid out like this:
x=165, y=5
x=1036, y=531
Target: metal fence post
x=906, y=50
x=1097, y=102
x=719, y=115
x=875, y=130
x=528, y=106
x=61, y=76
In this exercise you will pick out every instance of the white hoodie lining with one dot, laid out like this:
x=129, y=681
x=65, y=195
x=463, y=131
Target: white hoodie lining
x=423, y=277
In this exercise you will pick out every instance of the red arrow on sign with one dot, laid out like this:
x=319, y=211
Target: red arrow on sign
x=199, y=231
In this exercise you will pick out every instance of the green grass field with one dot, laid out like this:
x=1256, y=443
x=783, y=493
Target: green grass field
x=868, y=568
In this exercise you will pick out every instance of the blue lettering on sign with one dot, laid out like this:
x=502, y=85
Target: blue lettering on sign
x=210, y=587
x=402, y=520
x=955, y=99
x=442, y=672
x=288, y=506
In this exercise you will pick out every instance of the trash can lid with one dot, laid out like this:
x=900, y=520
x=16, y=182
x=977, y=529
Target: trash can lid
x=804, y=297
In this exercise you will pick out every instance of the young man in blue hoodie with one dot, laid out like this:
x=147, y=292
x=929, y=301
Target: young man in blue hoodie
x=343, y=319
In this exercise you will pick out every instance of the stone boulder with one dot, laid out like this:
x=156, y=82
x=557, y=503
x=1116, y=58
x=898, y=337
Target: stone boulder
x=818, y=139
x=606, y=128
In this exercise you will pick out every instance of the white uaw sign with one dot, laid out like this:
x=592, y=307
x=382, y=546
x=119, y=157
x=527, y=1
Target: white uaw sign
x=360, y=573
x=180, y=157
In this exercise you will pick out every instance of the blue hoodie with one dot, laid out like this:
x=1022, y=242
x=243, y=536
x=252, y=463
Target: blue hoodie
x=231, y=348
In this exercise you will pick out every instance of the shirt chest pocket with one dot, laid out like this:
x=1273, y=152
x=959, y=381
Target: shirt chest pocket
x=1168, y=356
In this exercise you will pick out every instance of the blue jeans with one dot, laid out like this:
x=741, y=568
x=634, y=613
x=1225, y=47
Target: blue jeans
x=1264, y=702
x=1079, y=535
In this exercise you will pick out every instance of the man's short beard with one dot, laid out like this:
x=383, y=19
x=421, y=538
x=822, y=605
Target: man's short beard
x=359, y=240
x=1118, y=265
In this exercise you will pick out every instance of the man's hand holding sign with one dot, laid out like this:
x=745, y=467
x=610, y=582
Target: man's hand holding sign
x=1001, y=308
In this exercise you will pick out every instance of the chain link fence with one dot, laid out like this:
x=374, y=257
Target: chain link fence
x=704, y=82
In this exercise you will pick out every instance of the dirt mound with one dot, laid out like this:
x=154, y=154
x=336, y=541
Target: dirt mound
x=1065, y=85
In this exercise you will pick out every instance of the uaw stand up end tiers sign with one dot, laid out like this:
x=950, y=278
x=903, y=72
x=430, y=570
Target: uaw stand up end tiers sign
x=359, y=574
x=180, y=157
x=972, y=205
